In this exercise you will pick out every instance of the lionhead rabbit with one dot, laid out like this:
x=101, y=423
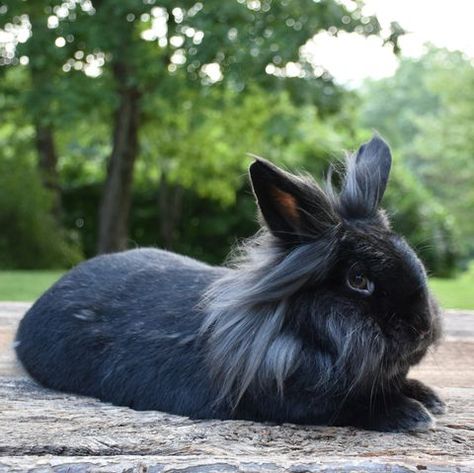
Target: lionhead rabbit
x=317, y=320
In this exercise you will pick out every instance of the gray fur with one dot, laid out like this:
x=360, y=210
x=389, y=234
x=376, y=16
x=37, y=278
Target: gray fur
x=245, y=313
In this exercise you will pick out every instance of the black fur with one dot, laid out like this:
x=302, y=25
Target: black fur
x=282, y=334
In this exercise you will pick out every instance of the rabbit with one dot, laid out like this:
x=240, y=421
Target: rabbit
x=315, y=320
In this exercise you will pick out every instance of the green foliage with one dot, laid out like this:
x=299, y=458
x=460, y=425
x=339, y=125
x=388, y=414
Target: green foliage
x=206, y=229
x=204, y=141
x=393, y=105
x=445, y=145
x=30, y=238
x=429, y=118
x=213, y=87
x=417, y=215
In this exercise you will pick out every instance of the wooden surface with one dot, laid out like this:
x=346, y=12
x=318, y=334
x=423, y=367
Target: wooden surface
x=43, y=431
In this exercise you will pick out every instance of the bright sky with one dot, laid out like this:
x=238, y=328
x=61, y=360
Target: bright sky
x=350, y=58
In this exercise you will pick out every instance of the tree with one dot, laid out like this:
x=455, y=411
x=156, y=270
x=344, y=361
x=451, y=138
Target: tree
x=31, y=237
x=45, y=97
x=148, y=46
x=394, y=104
x=444, y=146
x=43, y=69
x=429, y=119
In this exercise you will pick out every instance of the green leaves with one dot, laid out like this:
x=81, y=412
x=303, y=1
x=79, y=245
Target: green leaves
x=30, y=237
x=429, y=119
x=214, y=86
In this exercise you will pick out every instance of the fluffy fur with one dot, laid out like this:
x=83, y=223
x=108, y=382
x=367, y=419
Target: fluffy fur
x=317, y=319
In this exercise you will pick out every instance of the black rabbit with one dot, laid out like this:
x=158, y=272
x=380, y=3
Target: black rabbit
x=317, y=320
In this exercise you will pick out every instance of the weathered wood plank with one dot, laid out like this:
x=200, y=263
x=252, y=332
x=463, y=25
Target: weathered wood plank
x=35, y=421
x=191, y=464
x=41, y=430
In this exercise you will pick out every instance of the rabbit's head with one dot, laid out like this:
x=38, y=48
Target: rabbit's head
x=327, y=277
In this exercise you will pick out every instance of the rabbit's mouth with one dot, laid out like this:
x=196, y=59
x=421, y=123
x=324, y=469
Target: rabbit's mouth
x=424, y=326
x=408, y=342
x=413, y=329
x=406, y=339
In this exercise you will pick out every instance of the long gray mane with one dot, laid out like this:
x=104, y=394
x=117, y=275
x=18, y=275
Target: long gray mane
x=246, y=312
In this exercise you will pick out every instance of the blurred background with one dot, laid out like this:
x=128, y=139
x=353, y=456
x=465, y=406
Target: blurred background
x=126, y=123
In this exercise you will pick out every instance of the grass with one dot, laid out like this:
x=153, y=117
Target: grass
x=456, y=293
x=25, y=285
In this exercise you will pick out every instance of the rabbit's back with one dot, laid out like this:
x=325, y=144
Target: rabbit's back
x=122, y=328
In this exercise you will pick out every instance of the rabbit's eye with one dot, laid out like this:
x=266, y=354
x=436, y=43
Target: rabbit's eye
x=358, y=281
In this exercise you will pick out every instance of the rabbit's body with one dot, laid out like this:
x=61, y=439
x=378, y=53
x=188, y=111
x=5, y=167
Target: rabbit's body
x=122, y=327
x=318, y=320
x=125, y=328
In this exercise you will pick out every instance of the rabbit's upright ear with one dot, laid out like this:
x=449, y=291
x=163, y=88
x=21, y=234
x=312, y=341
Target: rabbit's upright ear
x=293, y=208
x=366, y=179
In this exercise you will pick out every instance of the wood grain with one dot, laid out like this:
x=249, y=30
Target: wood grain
x=44, y=431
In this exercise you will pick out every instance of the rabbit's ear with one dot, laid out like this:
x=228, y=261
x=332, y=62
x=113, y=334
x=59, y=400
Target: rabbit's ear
x=292, y=207
x=366, y=179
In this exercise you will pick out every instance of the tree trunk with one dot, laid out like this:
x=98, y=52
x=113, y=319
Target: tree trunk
x=170, y=201
x=47, y=164
x=42, y=80
x=117, y=194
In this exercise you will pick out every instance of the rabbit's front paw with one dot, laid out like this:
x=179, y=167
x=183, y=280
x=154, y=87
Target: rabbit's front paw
x=424, y=394
x=404, y=415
